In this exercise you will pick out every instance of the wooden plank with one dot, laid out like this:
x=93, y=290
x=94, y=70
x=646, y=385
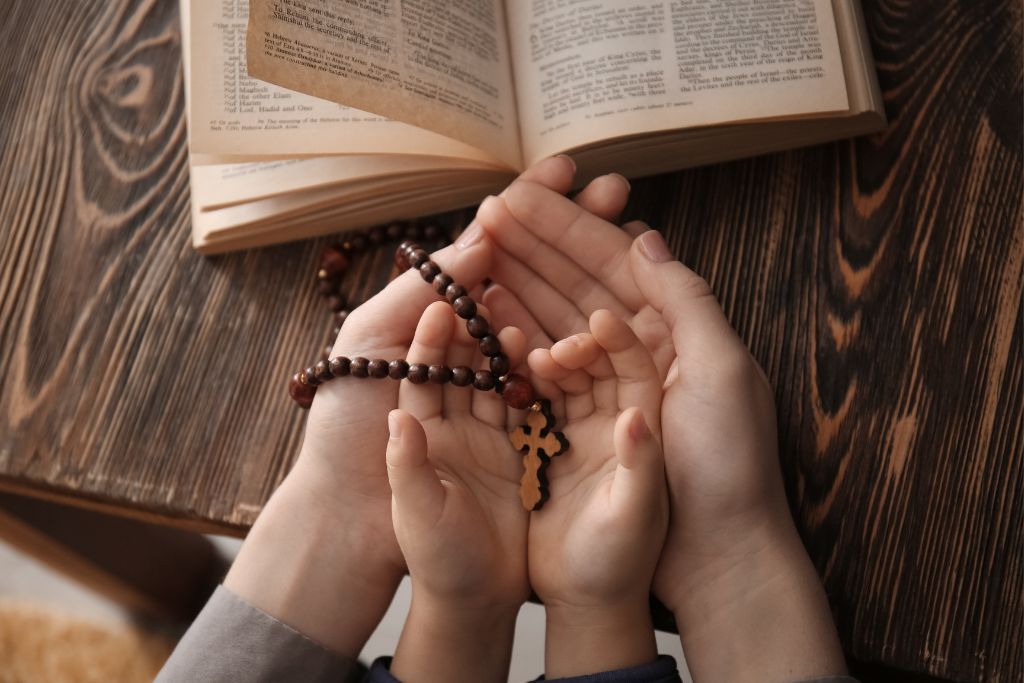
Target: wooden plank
x=878, y=282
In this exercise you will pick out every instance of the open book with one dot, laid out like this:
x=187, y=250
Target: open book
x=313, y=116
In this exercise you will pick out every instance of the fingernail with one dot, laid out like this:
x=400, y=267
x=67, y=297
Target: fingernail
x=569, y=158
x=470, y=236
x=653, y=247
x=638, y=430
x=623, y=179
x=394, y=425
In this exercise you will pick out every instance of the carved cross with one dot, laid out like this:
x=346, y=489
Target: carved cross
x=538, y=443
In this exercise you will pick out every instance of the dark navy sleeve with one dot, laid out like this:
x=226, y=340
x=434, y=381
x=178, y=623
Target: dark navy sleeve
x=380, y=672
x=661, y=670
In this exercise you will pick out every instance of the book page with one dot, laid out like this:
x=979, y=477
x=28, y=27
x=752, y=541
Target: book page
x=440, y=65
x=591, y=70
x=233, y=115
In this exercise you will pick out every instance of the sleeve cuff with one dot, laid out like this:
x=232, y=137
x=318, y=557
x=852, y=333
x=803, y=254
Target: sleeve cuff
x=661, y=670
x=232, y=640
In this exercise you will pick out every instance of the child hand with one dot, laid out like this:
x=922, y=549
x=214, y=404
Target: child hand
x=594, y=546
x=456, y=512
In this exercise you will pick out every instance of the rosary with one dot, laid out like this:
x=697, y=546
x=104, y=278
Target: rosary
x=537, y=440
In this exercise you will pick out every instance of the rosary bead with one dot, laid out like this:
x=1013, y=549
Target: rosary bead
x=455, y=292
x=309, y=374
x=419, y=373
x=301, y=392
x=478, y=327
x=326, y=353
x=439, y=374
x=418, y=258
x=322, y=370
x=429, y=270
x=326, y=288
x=431, y=232
x=483, y=380
x=500, y=365
x=377, y=368
x=462, y=376
x=358, y=367
x=401, y=261
x=395, y=230
x=358, y=241
x=340, y=317
x=378, y=235
x=398, y=369
x=333, y=263
x=339, y=366
x=441, y=283
x=464, y=307
x=517, y=392
x=490, y=346
x=336, y=302
x=413, y=232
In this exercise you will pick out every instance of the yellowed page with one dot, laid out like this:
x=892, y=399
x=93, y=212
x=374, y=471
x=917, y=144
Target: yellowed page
x=233, y=115
x=217, y=186
x=441, y=66
x=590, y=70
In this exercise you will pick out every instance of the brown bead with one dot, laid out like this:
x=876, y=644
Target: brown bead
x=419, y=373
x=339, y=366
x=358, y=241
x=500, y=365
x=301, y=392
x=478, y=327
x=359, y=367
x=326, y=352
x=483, y=380
x=455, y=292
x=462, y=376
x=401, y=261
x=413, y=231
x=464, y=307
x=429, y=270
x=333, y=262
x=441, y=283
x=340, y=317
x=418, y=258
x=439, y=374
x=490, y=346
x=310, y=376
x=335, y=331
x=377, y=368
x=378, y=235
x=517, y=392
x=326, y=287
x=398, y=369
x=322, y=370
x=336, y=302
x=395, y=230
x=432, y=231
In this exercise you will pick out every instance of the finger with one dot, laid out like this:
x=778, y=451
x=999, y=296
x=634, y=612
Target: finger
x=582, y=352
x=575, y=385
x=545, y=264
x=684, y=300
x=386, y=321
x=640, y=475
x=555, y=173
x=417, y=492
x=635, y=228
x=488, y=406
x=557, y=316
x=598, y=247
x=605, y=196
x=639, y=384
x=429, y=346
x=463, y=352
x=508, y=311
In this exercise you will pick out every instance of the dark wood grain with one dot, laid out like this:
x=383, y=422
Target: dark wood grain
x=878, y=282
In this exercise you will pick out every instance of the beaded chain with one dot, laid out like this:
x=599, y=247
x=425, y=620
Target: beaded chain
x=536, y=440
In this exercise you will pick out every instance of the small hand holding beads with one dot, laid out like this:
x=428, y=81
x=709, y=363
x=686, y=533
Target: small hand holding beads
x=537, y=439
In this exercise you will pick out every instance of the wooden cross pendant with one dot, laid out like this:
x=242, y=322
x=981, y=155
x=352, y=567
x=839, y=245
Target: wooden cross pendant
x=538, y=442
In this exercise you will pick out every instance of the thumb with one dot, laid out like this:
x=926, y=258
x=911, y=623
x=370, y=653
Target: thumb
x=640, y=476
x=415, y=486
x=683, y=298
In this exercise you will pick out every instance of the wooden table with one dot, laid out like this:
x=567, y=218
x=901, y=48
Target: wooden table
x=877, y=281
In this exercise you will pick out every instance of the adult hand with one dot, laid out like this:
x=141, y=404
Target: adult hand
x=745, y=595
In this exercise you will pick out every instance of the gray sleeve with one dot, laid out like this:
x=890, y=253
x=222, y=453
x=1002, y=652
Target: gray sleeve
x=231, y=641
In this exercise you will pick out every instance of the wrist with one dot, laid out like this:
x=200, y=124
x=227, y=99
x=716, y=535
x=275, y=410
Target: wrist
x=444, y=640
x=767, y=603
x=585, y=639
x=315, y=567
